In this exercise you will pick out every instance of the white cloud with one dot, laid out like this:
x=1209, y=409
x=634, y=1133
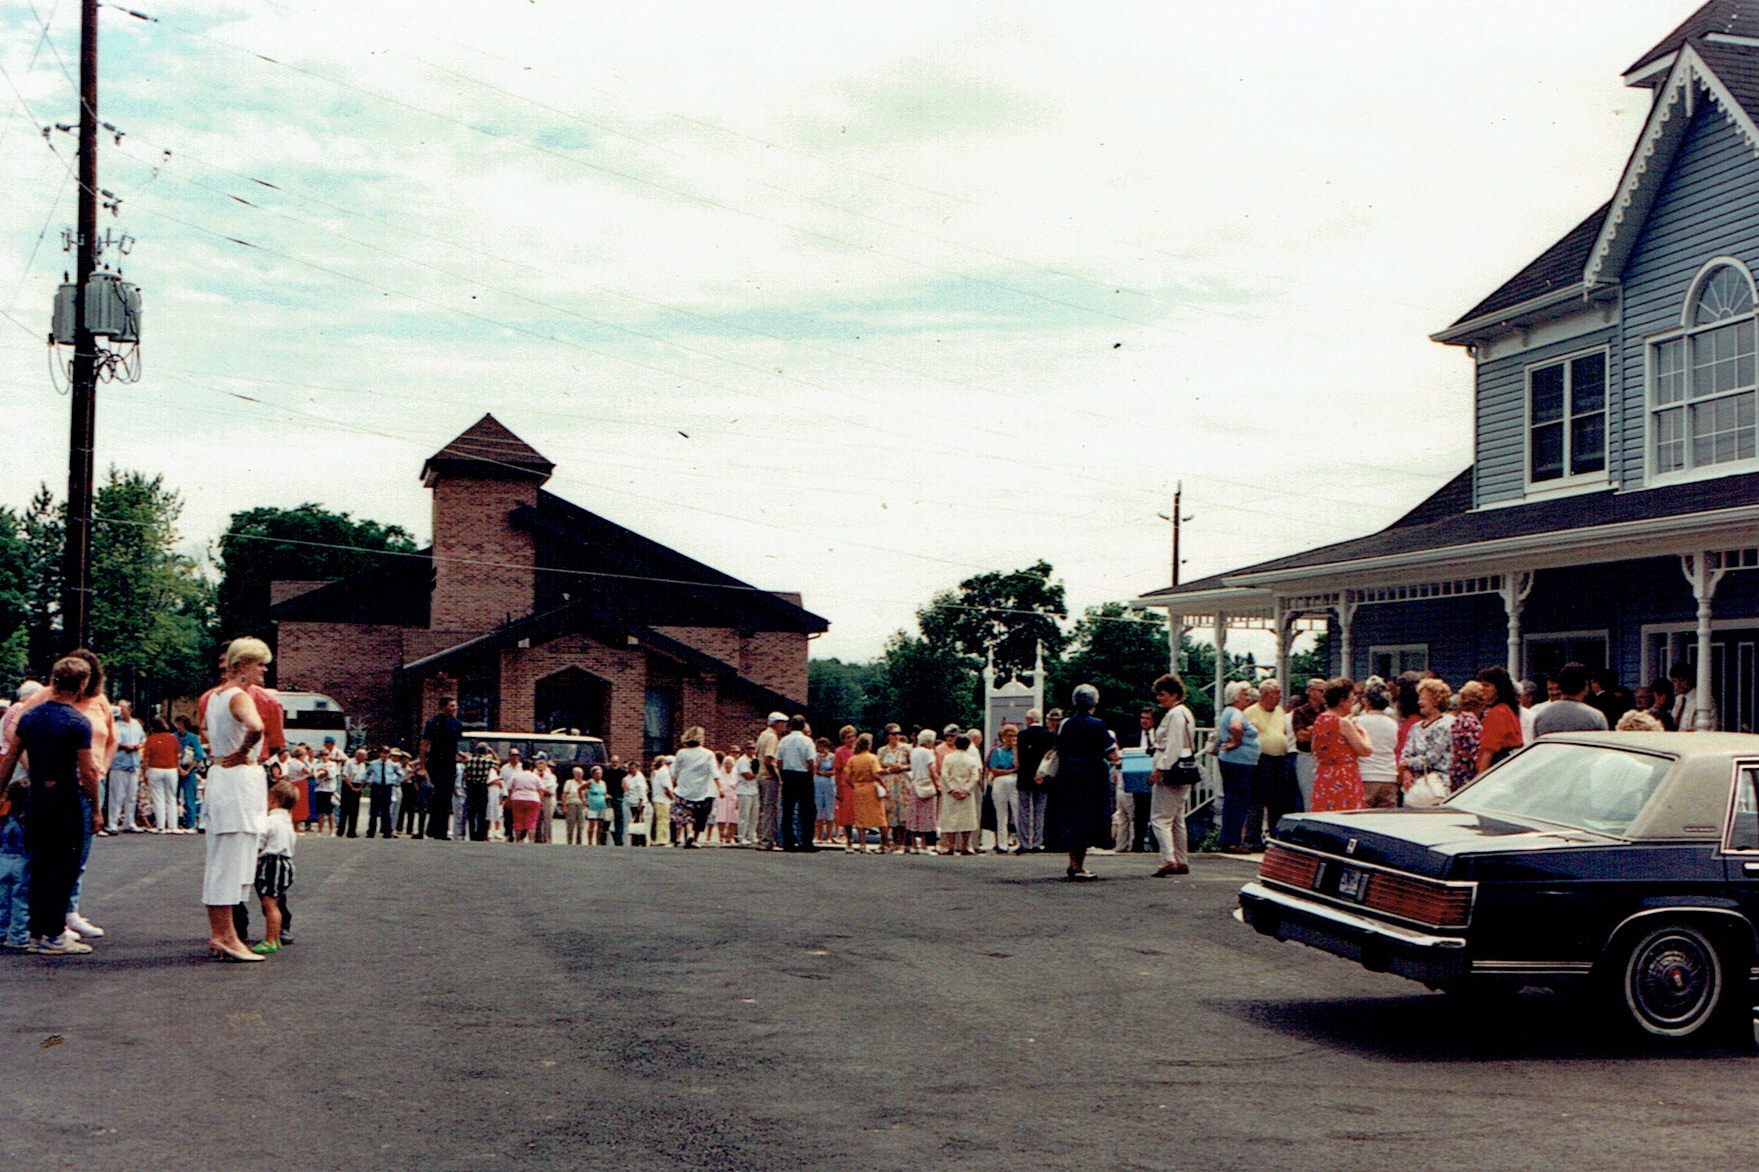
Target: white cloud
x=1062, y=257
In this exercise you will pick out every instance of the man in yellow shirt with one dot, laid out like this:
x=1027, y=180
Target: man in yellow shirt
x=1274, y=792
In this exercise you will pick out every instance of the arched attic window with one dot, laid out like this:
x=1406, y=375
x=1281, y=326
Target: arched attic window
x=1705, y=381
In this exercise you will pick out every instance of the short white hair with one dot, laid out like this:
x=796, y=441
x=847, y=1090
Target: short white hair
x=1266, y=684
x=1236, y=689
x=28, y=689
x=926, y=737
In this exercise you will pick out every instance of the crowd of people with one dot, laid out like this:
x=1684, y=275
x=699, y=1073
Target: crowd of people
x=1412, y=741
x=78, y=768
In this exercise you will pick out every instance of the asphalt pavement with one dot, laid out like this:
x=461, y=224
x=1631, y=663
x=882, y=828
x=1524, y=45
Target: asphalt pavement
x=461, y=1006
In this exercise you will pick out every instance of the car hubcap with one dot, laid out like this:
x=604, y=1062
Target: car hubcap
x=1673, y=981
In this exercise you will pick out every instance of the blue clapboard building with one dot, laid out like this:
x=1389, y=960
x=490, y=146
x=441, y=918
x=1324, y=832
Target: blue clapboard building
x=1611, y=512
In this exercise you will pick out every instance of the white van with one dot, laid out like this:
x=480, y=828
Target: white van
x=312, y=716
x=564, y=751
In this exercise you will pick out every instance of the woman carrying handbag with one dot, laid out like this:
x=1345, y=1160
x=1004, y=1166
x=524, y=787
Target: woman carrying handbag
x=1175, y=772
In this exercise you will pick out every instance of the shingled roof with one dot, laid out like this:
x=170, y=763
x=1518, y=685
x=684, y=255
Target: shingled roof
x=487, y=448
x=1558, y=267
x=1732, y=17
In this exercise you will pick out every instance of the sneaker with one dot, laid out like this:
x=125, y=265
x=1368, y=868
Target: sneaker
x=57, y=946
x=84, y=926
x=70, y=934
x=15, y=945
x=286, y=938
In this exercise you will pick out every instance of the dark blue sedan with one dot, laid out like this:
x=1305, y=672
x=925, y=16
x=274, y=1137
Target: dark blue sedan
x=1627, y=863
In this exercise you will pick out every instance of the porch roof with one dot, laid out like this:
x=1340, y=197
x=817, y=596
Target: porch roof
x=1564, y=530
x=584, y=617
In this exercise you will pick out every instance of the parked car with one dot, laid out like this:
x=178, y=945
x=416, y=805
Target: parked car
x=1627, y=863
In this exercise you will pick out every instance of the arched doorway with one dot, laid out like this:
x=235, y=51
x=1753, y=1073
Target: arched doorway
x=572, y=699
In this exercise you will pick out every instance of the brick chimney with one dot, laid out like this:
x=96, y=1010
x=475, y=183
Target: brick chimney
x=484, y=568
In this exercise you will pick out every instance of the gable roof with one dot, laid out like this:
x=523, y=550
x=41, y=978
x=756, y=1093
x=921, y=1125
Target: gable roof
x=649, y=575
x=487, y=449
x=588, y=616
x=1669, y=119
x=1719, y=17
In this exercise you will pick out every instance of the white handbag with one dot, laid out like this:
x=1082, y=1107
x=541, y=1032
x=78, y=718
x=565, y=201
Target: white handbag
x=1429, y=790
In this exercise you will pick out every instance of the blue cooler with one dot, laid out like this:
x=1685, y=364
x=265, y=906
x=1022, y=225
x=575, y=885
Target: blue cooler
x=1138, y=764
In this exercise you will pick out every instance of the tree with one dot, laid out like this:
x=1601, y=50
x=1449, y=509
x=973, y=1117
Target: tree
x=1007, y=613
x=839, y=693
x=152, y=610
x=1119, y=650
x=42, y=527
x=308, y=543
x=14, y=600
x=927, y=684
x=1314, y=663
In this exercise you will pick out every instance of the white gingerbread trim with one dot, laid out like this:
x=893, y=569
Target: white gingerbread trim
x=1661, y=138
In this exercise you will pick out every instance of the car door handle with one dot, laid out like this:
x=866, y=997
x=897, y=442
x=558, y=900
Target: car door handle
x=1750, y=868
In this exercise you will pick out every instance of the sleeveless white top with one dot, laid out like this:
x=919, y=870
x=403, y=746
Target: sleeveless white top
x=235, y=800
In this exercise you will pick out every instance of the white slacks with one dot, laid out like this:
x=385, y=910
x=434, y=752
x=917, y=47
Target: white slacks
x=124, y=795
x=162, y=783
x=1005, y=794
x=1166, y=813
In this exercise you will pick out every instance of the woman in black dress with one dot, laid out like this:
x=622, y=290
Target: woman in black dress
x=1079, y=810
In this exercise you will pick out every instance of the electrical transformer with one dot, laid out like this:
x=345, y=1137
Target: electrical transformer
x=112, y=310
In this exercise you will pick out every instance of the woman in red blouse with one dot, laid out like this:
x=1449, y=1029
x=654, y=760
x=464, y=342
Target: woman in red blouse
x=1501, y=720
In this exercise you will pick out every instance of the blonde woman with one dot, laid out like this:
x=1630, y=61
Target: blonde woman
x=235, y=803
x=1429, y=746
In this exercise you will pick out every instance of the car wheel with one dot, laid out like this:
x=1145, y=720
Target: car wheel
x=1673, y=981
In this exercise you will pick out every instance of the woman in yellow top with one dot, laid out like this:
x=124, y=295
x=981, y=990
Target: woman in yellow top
x=862, y=778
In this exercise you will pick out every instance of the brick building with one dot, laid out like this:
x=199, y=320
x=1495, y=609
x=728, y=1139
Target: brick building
x=539, y=615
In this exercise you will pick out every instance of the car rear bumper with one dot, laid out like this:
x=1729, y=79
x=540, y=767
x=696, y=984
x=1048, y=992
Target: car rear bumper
x=1374, y=944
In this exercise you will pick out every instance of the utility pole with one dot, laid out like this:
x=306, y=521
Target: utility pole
x=1178, y=492
x=1175, y=621
x=76, y=583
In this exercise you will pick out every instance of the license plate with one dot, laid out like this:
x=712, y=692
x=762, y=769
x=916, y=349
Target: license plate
x=1353, y=884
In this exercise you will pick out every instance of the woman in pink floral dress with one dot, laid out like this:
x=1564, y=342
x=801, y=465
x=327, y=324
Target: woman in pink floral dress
x=1337, y=744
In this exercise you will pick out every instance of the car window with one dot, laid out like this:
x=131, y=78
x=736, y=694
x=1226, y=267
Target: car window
x=1744, y=834
x=1590, y=786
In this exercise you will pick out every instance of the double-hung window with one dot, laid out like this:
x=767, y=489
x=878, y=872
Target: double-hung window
x=1703, y=383
x=1566, y=419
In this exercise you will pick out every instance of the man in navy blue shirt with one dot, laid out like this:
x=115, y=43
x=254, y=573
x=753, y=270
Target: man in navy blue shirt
x=439, y=760
x=57, y=738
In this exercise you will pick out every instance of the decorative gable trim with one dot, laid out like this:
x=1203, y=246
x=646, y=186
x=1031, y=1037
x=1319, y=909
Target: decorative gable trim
x=1650, y=158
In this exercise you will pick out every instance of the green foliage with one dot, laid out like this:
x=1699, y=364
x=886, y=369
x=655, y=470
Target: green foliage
x=1120, y=651
x=1313, y=663
x=42, y=528
x=14, y=599
x=152, y=610
x=308, y=543
x=927, y=685
x=839, y=693
x=1007, y=613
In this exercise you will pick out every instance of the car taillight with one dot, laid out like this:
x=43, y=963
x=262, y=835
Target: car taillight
x=1422, y=900
x=1288, y=868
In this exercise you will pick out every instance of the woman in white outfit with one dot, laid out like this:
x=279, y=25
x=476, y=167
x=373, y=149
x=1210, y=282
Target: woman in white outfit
x=1175, y=747
x=236, y=801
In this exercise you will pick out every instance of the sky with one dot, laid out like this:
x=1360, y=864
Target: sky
x=850, y=300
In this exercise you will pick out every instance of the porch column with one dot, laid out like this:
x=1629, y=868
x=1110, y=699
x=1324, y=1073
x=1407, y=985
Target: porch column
x=1175, y=638
x=1346, y=610
x=1704, y=579
x=1221, y=659
x=1283, y=619
x=1516, y=586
